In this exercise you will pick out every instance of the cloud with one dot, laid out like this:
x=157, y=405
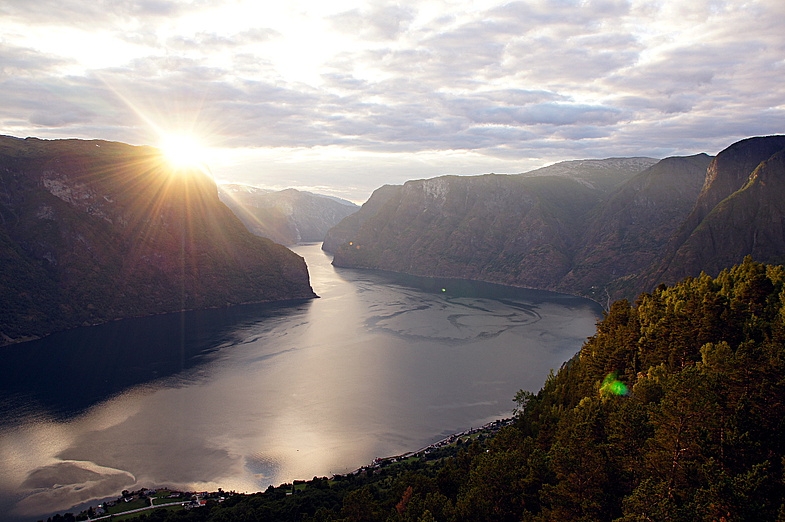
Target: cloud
x=539, y=80
x=20, y=61
x=548, y=113
x=210, y=40
x=76, y=12
x=378, y=23
x=572, y=62
x=43, y=101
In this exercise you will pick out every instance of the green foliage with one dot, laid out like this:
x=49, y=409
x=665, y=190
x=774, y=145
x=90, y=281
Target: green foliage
x=699, y=435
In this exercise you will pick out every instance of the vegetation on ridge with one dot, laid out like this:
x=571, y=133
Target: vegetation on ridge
x=673, y=410
x=92, y=231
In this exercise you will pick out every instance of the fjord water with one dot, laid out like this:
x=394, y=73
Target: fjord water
x=244, y=397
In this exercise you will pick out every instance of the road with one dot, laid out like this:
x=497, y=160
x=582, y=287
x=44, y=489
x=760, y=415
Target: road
x=139, y=510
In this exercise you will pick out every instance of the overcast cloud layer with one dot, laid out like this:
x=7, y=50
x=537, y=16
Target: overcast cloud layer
x=345, y=97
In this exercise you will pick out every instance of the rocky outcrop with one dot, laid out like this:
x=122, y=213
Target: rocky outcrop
x=521, y=230
x=286, y=216
x=592, y=229
x=92, y=231
x=736, y=214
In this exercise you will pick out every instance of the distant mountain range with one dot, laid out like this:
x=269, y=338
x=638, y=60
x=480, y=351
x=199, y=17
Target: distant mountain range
x=92, y=231
x=599, y=228
x=287, y=216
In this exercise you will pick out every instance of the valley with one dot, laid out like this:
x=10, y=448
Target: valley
x=435, y=310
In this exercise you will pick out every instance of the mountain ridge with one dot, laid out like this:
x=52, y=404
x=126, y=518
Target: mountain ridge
x=92, y=231
x=520, y=230
x=730, y=171
x=288, y=216
x=615, y=240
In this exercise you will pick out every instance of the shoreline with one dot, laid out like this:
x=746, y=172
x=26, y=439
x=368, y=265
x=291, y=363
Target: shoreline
x=377, y=463
x=492, y=427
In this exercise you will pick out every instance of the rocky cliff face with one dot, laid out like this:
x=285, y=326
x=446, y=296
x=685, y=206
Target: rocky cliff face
x=729, y=171
x=519, y=230
x=462, y=227
x=629, y=230
x=91, y=231
x=347, y=229
x=739, y=212
x=597, y=230
x=287, y=216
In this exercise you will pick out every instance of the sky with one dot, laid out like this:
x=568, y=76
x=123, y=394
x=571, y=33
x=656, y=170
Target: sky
x=342, y=97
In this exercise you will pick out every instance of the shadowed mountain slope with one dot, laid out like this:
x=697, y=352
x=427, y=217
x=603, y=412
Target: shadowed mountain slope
x=628, y=231
x=604, y=229
x=287, y=216
x=719, y=233
x=92, y=231
x=521, y=230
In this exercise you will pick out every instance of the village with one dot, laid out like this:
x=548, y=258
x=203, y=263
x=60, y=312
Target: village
x=145, y=499
x=454, y=438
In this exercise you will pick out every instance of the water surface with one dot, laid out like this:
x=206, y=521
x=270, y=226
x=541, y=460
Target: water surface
x=249, y=396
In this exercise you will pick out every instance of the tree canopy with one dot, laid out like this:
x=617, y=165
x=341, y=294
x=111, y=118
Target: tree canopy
x=673, y=410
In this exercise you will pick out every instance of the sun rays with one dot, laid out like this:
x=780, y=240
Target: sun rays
x=173, y=197
x=183, y=152
x=177, y=128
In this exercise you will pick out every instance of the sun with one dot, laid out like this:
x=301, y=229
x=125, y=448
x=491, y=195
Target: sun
x=182, y=152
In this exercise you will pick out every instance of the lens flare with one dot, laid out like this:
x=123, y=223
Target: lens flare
x=179, y=134
x=611, y=385
x=182, y=152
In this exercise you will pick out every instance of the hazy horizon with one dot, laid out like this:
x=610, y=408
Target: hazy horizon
x=346, y=97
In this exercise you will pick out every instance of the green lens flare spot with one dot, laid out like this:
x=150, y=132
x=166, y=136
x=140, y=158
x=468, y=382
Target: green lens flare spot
x=611, y=385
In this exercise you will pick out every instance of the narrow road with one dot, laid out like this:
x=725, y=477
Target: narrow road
x=139, y=510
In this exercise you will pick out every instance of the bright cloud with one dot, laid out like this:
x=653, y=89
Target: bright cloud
x=350, y=95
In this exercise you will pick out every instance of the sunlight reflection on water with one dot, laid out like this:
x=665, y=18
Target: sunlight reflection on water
x=372, y=368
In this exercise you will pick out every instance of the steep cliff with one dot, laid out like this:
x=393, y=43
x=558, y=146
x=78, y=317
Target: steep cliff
x=519, y=230
x=736, y=206
x=751, y=221
x=628, y=231
x=286, y=216
x=91, y=231
x=605, y=230
x=349, y=227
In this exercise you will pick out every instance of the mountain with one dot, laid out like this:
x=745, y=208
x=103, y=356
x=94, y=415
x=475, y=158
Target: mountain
x=288, y=216
x=92, y=231
x=347, y=229
x=522, y=230
x=604, y=175
x=738, y=212
x=629, y=231
x=513, y=230
x=604, y=229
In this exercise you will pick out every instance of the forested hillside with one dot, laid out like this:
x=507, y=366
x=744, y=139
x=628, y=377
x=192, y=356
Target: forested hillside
x=673, y=410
